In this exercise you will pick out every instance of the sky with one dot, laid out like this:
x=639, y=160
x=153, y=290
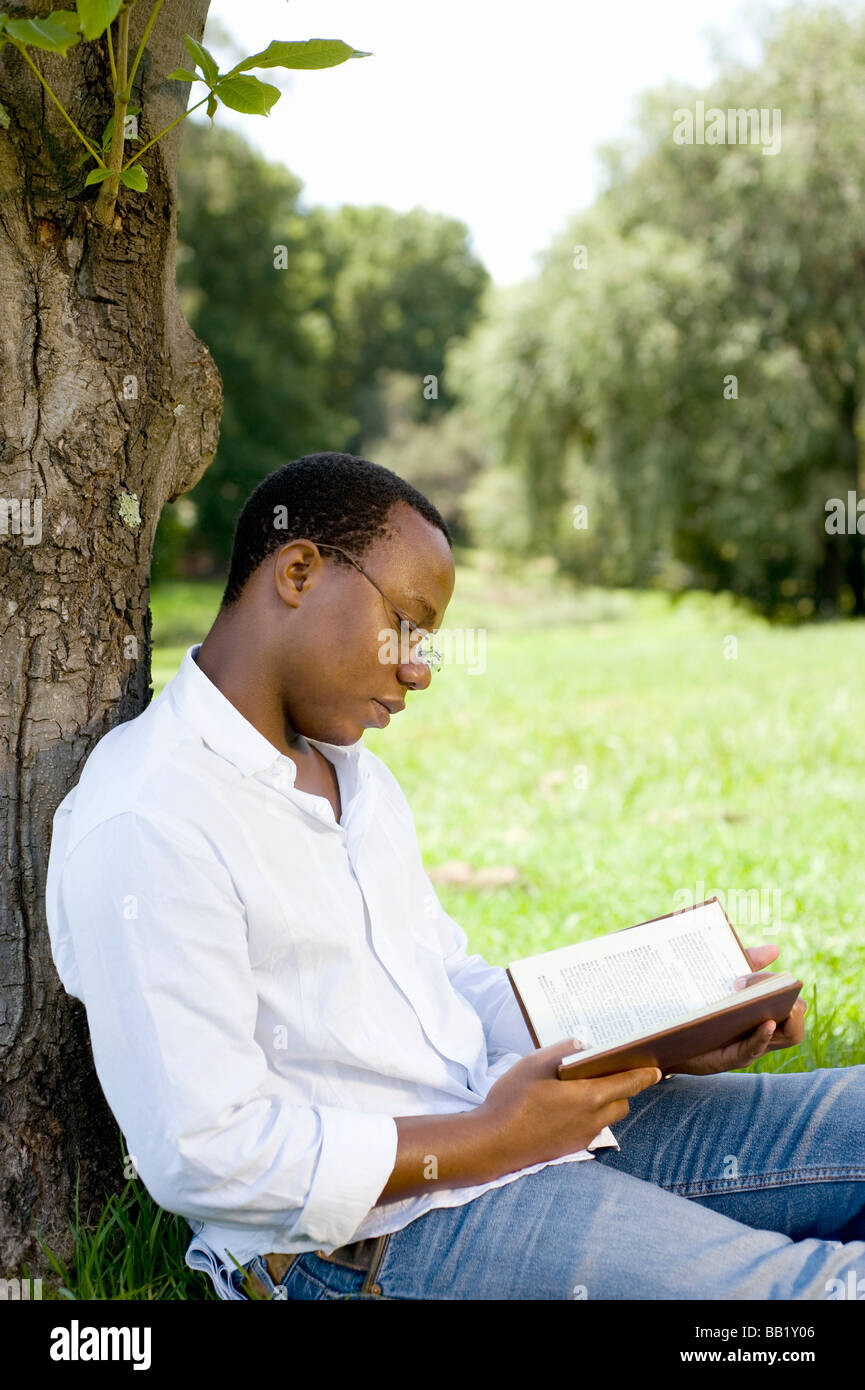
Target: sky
x=484, y=110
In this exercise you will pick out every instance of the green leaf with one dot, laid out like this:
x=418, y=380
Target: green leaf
x=211, y=107
x=96, y=15
x=184, y=75
x=311, y=53
x=96, y=176
x=202, y=58
x=4, y=117
x=51, y=34
x=68, y=18
x=247, y=94
x=134, y=177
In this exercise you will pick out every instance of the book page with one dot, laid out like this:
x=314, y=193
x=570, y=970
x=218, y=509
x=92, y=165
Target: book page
x=750, y=992
x=634, y=981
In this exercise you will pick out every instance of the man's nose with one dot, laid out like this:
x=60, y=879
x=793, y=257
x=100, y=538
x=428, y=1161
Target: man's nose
x=416, y=675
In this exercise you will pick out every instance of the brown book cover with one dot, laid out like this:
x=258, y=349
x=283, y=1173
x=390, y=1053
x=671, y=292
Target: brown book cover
x=675, y=1044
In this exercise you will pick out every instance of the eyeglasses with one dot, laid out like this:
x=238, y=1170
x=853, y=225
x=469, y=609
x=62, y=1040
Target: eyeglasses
x=425, y=650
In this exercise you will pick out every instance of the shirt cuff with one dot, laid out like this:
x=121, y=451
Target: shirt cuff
x=356, y=1158
x=605, y=1140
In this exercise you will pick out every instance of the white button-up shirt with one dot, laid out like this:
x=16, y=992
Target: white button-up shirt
x=266, y=987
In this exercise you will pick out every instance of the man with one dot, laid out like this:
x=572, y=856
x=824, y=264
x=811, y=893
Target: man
x=304, y=1061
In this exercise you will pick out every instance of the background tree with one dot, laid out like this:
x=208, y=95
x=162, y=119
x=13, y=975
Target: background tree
x=252, y=281
x=441, y=454
x=696, y=375
x=310, y=314
x=404, y=287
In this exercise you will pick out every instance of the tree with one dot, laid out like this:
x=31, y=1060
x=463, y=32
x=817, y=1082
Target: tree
x=785, y=228
x=110, y=407
x=253, y=283
x=403, y=287
x=307, y=313
x=441, y=456
x=689, y=361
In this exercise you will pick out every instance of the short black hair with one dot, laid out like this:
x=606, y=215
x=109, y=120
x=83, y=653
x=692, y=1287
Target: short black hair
x=337, y=499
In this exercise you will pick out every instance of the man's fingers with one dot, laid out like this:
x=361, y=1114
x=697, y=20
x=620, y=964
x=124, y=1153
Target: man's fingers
x=621, y=1084
x=548, y=1059
x=755, y=1043
x=756, y=975
x=560, y=1049
x=612, y=1087
x=759, y=956
x=765, y=1031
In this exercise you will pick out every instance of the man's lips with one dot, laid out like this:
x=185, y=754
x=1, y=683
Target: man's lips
x=385, y=710
x=392, y=706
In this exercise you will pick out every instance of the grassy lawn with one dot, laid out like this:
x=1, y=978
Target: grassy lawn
x=606, y=757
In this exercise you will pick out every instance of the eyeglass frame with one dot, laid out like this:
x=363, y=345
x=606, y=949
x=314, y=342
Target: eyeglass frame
x=436, y=662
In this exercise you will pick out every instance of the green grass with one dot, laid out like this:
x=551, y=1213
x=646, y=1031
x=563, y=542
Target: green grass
x=134, y=1253
x=735, y=774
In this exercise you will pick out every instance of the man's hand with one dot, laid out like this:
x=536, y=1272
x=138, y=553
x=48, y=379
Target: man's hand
x=769, y=1037
x=531, y=1116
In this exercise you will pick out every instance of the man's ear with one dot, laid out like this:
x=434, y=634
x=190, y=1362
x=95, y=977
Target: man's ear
x=295, y=567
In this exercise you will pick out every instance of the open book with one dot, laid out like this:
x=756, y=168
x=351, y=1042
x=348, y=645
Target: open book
x=655, y=994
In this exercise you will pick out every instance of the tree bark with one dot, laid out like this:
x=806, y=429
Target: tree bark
x=109, y=407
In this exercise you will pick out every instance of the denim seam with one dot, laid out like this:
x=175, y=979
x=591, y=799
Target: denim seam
x=319, y=1283
x=784, y=1177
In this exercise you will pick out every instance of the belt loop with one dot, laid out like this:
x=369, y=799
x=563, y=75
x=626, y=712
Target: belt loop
x=369, y=1285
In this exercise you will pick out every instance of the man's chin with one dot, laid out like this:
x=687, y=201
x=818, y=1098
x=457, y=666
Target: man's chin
x=344, y=726
x=342, y=736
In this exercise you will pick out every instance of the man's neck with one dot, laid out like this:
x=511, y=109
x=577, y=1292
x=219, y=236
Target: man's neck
x=228, y=661
x=234, y=673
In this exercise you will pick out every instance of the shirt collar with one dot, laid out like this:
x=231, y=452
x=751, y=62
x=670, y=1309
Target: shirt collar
x=202, y=706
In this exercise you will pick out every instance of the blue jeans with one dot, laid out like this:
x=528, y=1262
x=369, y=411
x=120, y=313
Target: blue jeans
x=735, y=1186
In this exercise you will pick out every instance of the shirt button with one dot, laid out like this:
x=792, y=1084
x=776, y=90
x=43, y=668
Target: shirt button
x=321, y=808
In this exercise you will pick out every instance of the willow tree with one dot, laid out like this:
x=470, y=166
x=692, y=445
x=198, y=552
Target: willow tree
x=109, y=407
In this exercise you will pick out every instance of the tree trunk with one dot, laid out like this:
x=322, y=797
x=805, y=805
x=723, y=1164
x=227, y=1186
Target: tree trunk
x=110, y=407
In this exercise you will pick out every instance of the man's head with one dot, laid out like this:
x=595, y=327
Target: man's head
x=312, y=623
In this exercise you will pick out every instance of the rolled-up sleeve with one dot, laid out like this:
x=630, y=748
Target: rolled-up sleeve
x=486, y=987
x=160, y=945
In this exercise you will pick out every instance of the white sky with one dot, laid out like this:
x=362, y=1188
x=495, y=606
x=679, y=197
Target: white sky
x=486, y=110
